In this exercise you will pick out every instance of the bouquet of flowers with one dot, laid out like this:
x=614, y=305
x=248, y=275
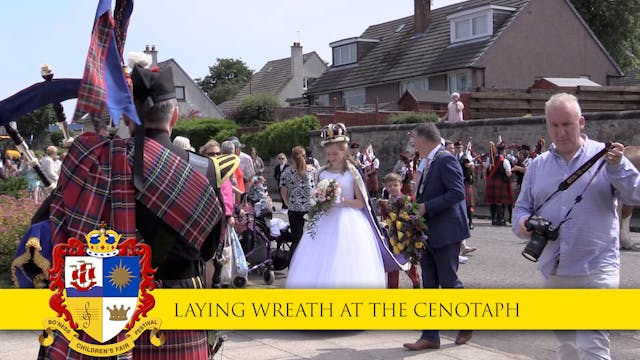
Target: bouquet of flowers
x=406, y=228
x=326, y=193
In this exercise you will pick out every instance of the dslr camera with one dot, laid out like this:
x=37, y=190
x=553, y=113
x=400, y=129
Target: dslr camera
x=309, y=160
x=543, y=231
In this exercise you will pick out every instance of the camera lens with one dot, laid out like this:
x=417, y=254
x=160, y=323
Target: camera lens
x=534, y=247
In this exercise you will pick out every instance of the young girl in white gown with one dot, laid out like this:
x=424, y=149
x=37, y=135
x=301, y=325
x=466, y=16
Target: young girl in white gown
x=345, y=252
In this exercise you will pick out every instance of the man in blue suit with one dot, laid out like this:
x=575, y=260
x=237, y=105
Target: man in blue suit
x=441, y=202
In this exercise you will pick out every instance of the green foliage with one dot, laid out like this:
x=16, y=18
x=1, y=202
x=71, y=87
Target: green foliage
x=224, y=135
x=257, y=108
x=13, y=185
x=15, y=218
x=282, y=136
x=57, y=137
x=225, y=79
x=617, y=25
x=36, y=123
x=412, y=117
x=200, y=130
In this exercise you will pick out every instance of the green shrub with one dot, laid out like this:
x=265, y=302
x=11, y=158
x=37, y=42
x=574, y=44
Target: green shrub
x=256, y=109
x=201, y=130
x=224, y=135
x=282, y=136
x=15, y=219
x=412, y=117
x=13, y=186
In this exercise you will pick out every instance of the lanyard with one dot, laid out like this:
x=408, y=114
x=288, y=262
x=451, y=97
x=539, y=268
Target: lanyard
x=564, y=185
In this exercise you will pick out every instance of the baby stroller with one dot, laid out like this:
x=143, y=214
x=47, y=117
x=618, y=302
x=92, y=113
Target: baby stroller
x=280, y=234
x=255, y=241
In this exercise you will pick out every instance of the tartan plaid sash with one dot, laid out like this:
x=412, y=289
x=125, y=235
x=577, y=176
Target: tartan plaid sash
x=96, y=185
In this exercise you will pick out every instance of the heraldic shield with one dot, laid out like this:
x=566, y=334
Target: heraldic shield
x=102, y=286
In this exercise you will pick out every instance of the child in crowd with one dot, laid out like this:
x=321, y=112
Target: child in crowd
x=258, y=190
x=392, y=192
x=259, y=196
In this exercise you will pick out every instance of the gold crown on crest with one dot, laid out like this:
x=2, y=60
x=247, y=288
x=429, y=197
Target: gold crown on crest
x=102, y=243
x=118, y=314
x=333, y=133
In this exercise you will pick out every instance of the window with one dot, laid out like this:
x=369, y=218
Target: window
x=475, y=23
x=180, y=93
x=414, y=84
x=459, y=81
x=470, y=27
x=345, y=54
x=322, y=100
x=354, y=97
x=305, y=82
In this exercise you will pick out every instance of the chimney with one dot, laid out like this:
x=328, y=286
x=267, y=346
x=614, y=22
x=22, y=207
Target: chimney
x=151, y=50
x=296, y=64
x=421, y=16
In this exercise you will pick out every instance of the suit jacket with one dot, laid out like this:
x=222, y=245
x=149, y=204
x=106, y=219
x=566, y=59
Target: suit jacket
x=277, y=172
x=443, y=196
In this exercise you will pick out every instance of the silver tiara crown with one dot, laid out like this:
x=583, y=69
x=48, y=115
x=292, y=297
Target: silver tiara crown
x=334, y=133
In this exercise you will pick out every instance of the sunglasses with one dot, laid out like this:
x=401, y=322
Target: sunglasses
x=212, y=153
x=281, y=159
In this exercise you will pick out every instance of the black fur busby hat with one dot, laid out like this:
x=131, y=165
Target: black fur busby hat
x=151, y=86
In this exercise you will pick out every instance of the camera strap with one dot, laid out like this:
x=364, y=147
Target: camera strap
x=564, y=185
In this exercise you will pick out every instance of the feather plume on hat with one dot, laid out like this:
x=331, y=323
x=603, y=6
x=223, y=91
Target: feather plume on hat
x=139, y=58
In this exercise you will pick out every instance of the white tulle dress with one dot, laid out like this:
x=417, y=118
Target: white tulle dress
x=343, y=254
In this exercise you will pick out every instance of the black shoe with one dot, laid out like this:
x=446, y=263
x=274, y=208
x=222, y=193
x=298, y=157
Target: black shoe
x=471, y=226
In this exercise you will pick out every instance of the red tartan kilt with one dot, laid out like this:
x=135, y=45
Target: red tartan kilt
x=179, y=344
x=469, y=195
x=498, y=191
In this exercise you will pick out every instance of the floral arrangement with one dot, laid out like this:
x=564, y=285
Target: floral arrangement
x=406, y=228
x=326, y=193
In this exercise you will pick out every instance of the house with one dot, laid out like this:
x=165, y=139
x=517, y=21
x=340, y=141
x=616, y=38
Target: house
x=562, y=83
x=630, y=78
x=286, y=78
x=192, y=101
x=422, y=101
x=461, y=47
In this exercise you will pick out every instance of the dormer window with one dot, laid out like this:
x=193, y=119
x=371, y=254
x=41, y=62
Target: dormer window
x=345, y=54
x=346, y=51
x=474, y=23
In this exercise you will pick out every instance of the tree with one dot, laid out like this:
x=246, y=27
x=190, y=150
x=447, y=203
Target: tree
x=257, y=108
x=617, y=26
x=225, y=79
x=35, y=124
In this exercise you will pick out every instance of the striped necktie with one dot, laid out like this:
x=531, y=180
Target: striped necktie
x=423, y=177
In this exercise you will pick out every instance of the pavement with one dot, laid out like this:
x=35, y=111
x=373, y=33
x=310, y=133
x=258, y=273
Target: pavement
x=496, y=264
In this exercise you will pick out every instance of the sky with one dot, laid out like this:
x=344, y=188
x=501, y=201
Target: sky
x=193, y=32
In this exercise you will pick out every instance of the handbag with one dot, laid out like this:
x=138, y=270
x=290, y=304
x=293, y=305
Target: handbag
x=225, y=259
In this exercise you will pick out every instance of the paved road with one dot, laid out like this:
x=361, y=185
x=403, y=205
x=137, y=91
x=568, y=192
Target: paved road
x=497, y=264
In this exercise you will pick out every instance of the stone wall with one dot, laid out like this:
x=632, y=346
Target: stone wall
x=389, y=140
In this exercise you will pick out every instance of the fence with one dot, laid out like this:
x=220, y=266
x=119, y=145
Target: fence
x=502, y=103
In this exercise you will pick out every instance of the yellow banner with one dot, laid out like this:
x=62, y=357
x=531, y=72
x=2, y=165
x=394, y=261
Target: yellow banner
x=277, y=309
x=99, y=350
